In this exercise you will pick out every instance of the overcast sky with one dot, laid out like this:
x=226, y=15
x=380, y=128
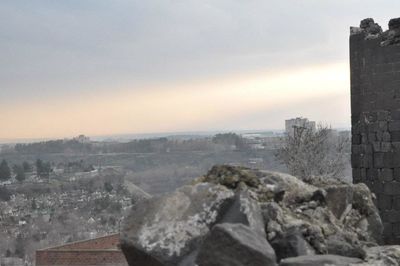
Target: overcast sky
x=101, y=67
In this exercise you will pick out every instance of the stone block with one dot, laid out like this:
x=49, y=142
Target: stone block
x=372, y=116
x=371, y=137
x=395, y=136
x=356, y=160
x=386, y=147
x=372, y=174
x=395, y=114
x=364, y=138
x=376, y=187
x=378, y=160
x=384, y=202
x=379, y=135
x=396, y=228
x=356, y=139
x=383, y=115
x=373, y=127
x=376, y=146
x=394, y=126
x=396, y=203
x=396, y=174
x=395, y=159
x=391, y=188
x=386, y=174
x=366, y=160
x=387, y=230
x=386, y=136
x=383, y=125
x=363, y=174
x=391, y=216
x=369, y=150
x=396, y=146
x=356, y=175
x=357, y=149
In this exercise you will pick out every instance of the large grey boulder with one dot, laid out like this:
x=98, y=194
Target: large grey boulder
x=164, y=230
x=244, y=209
x=169, y=229
x=291, y=244
x=338, y=199
x=364, y=204
x=342, y=199
x=320, y=260
x=235, y=245
x=319, y=212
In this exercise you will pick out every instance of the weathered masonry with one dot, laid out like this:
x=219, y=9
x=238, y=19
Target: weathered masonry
x=375, y=104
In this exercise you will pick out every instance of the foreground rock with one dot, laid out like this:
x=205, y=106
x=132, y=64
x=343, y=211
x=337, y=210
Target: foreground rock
x=169, y=229
x=166, y=229
x=320, y=260
x=291, y=244
x=235, y=208
x=235, y=245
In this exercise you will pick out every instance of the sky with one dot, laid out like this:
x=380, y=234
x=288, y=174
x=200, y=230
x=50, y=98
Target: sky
x=102, y=67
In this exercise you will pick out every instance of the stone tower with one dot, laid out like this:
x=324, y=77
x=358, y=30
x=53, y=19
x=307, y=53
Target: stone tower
x=375, y=117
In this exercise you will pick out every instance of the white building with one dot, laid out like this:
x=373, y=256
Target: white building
x=299, y=122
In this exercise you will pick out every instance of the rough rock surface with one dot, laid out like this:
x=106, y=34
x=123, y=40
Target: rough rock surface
x=232, y=177
x=383, y=256
x=372, y=30
x=320, y=260
x=291, y=244
x=308, y=210
x=235, y=245
x=244, y=209
x=294, y=217
x=166, y=229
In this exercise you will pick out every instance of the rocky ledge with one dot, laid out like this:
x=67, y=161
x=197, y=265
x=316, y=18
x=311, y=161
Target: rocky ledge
x=235, y=216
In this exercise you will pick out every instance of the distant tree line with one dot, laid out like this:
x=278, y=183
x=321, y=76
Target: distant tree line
x=54, y=146
x=155, y=145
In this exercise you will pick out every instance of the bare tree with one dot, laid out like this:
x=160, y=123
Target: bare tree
x=309, y=153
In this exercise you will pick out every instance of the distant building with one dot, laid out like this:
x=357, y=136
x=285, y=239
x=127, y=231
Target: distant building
x=102, y=251
x=291, y=125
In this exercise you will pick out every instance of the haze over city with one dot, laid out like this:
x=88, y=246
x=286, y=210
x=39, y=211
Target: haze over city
x=103, y=68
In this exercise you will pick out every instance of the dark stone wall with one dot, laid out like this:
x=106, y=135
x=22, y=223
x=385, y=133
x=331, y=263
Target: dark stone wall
x=375, y=105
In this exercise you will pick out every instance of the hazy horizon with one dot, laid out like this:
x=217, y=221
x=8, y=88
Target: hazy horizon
x=147, y=135
x=132, y=67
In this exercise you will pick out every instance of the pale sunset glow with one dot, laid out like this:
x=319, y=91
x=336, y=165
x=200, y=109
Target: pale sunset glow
x=206, y=104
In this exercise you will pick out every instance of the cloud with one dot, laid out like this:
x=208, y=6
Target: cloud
x=56, y=50
x=52, y=46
